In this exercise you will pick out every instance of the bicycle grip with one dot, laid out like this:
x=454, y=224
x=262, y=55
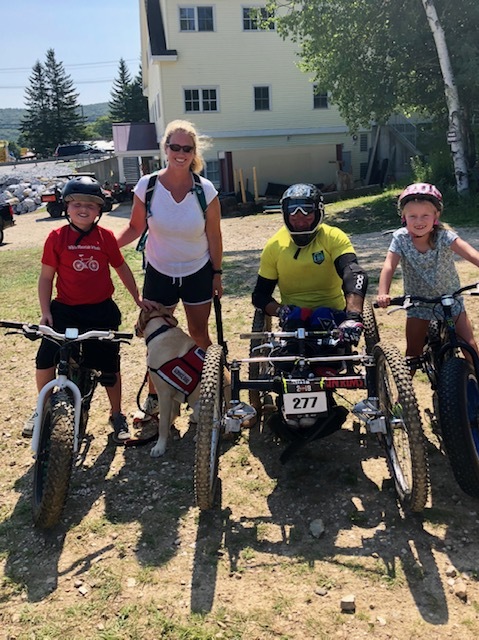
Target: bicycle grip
x=123, y=336
x=7, y=324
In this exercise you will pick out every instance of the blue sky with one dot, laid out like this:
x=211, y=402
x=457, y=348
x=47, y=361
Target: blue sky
x=89, y=37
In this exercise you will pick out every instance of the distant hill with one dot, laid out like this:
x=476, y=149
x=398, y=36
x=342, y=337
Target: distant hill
x=10, y=119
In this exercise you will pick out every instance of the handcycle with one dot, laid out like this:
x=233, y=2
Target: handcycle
x=454, y=382
x=300, y=374
x=61, y=415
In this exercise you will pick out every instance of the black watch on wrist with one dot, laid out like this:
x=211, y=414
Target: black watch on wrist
x=219, y=271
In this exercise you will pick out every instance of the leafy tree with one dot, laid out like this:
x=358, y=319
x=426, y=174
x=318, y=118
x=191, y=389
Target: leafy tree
x=377, y=57
x=128, y=103
x=53, y=114
x=100, y=129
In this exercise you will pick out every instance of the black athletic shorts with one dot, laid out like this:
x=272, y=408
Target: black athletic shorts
x=102, y=356
x=194, y=289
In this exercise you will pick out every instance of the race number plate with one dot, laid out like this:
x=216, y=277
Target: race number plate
x=305, y=403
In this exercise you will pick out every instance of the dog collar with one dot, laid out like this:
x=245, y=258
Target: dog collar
x=159, y=331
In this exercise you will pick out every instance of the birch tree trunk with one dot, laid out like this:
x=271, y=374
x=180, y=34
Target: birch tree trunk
x=455, y=133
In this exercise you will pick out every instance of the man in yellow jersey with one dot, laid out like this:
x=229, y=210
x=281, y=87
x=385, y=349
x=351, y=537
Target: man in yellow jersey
x=315, y=267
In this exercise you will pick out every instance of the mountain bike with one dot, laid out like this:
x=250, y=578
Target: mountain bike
x=454, y=381
x=61, y=415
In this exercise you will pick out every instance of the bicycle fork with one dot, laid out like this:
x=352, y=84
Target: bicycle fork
x=62, y=382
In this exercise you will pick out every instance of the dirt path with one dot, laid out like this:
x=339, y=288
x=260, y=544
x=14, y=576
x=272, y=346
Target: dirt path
x=134, y=558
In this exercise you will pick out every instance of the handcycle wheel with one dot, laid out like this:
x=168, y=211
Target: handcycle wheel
x=257, y=370
x=371, y=331
x=403, y=441
x=210, y=427
x=54, y=460
x=458, y=394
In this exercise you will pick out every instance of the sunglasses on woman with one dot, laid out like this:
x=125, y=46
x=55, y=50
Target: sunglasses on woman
x=304, y=208
x=186, y=148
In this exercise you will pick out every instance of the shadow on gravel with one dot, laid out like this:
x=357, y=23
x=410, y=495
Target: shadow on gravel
x=365, y=530
x=33, y=554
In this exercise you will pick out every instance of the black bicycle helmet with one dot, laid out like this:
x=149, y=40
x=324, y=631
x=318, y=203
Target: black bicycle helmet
x=84, y=188
x=302, y=199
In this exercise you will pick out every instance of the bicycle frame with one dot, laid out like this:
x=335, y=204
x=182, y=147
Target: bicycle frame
x=447, y=302
x=239, y=412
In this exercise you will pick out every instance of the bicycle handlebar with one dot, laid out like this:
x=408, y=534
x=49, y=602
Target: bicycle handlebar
x=333, y=333
x=35, y=330
x=403, y=302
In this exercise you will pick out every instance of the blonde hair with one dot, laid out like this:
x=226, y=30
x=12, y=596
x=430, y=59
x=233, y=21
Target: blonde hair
x=200, y=142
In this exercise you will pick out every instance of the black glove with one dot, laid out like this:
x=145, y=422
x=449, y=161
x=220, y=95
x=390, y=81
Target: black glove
x=351, y=331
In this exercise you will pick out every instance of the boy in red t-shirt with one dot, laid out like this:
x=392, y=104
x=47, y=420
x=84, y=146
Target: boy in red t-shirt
x=79, y=255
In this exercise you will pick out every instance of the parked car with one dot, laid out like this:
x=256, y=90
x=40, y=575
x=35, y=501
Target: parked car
x=54, y=199
x=6, y=218
x=75, y=149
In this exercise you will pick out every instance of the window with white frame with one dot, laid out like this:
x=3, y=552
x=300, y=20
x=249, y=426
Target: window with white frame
x=212, y=171
x=320, y=98
x=196, y=19
x=252, y=17
x=201, y=99
x=261, y=99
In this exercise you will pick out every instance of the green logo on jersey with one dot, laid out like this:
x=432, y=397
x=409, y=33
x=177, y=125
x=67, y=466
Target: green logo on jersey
x=318, y=257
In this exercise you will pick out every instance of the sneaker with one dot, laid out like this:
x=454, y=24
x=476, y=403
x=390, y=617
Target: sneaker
x=120, y=428
x=150, y=409
x=27, y=430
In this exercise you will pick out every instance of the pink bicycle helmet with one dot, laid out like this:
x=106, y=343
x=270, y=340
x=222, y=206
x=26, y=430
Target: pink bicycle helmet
x=420, y=191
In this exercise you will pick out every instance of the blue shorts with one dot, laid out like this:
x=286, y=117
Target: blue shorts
x=194, y=289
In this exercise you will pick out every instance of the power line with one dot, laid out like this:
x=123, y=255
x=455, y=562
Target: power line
x=22, y=86
x=70, y=66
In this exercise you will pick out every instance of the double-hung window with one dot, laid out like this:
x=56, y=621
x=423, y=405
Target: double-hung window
x=196, y=19
x=252, y=17
x=262, y=100
x=320, y=98
x=201, y=99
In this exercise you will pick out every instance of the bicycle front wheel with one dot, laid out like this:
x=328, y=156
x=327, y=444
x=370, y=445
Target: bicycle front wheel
x=458, y=393
x=54, y=460
x=403, y=441
x=210, y=427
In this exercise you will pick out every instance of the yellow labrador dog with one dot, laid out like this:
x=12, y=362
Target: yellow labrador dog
x=174, y=365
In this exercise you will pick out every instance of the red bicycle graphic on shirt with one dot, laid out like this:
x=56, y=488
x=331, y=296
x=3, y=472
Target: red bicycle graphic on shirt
x=86, y=263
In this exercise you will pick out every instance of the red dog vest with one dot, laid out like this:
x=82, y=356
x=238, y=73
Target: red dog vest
x=183, y=372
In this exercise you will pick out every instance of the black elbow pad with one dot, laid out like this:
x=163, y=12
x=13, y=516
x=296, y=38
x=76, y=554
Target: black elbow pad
x=355, y=279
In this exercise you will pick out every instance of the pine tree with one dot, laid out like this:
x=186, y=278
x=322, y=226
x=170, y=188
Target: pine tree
x=67, y=121
x=119, y=104
x=138, y=103
x=36, y=123
x=53, y=113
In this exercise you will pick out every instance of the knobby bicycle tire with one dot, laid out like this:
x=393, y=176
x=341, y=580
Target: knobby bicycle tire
x=261, y=322
x=458, y=393
x=54, y=460
x=404, y=441
x=371, y=331
x=210, y=427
